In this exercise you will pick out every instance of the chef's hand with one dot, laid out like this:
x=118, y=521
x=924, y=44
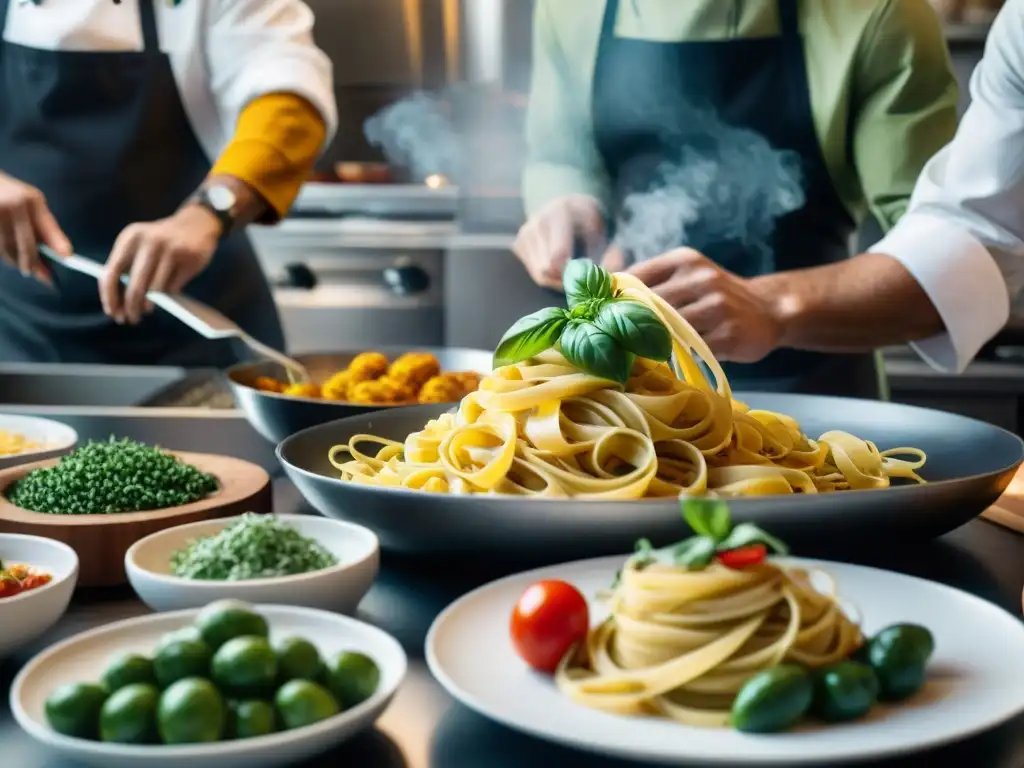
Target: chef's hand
x=736, y=321
x=26, y=221
x=545, y=242
x=159, y=255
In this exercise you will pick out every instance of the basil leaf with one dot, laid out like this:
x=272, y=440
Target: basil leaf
x=530, y=336
x=745, y=534
x=636, y=328
x=694, y=553
x=708, y=517
x=595, y=352
x=584, y=280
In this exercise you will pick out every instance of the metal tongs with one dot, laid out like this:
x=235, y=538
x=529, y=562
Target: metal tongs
x=203, y=319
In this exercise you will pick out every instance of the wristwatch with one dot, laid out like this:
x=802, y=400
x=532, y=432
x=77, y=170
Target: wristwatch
x=221, y=201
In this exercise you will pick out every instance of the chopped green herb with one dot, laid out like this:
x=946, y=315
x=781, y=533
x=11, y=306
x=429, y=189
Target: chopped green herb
x=103, y=478
x=255, y=547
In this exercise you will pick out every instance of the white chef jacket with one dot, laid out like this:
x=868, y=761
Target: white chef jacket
x=963, y=234
x=224, y=53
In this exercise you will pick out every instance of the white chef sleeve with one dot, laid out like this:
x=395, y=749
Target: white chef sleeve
x=963, y=235
x=256, y=47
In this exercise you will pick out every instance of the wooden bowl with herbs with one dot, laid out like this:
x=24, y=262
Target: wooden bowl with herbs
x=303, y=560
x=103, y=497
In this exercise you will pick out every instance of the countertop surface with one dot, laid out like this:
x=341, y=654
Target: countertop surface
x=425, y=728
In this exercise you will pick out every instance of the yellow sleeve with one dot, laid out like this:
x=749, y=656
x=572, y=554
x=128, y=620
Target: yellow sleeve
x=278, y=139
x=562, y=158
x=904, y=104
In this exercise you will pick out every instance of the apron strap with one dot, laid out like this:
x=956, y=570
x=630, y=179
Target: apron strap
x=147, y=17
x=789, y=19
x=611, y=15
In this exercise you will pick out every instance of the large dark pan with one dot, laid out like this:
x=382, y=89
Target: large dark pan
x=969, y=465
x=278, y=416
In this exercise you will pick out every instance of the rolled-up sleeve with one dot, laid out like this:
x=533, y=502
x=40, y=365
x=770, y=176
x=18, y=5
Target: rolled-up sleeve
x=963, y=235
x=260, y=47
x=562, y=158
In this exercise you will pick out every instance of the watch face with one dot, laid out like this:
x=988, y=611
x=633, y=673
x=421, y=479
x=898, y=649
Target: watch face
x=221, y=198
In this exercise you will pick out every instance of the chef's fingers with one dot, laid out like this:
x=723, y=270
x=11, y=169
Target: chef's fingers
x=46, y=226
x=148, y=257
x=178, y=280
x=684, y=288
x=120, y=260
x=25, y=245
x=706, y=313
x=8, y=242
x=659, y=269
x=162, y=279
x=614, y=260
x=558, y=244
x=589, y=225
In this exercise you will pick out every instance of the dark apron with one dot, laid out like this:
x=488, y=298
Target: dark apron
x=104, y=136
x=647, y=101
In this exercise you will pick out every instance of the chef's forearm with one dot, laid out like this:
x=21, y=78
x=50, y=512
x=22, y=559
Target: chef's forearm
x=856, y=305
x=277, y=141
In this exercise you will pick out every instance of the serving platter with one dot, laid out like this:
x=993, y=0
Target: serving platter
x=277, y=416
x=970, y=463
x=102, y=540
x=974, y=682
x=78, y=659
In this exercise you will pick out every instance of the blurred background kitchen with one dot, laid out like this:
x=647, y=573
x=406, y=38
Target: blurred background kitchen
x=404, y=235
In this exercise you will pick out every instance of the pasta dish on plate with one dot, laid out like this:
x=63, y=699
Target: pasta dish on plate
x=712, y=632
x=607, y=400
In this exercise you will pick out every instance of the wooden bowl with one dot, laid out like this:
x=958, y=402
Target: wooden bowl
x=101, y=541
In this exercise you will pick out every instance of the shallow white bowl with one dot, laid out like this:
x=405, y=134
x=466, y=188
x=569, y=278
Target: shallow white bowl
x=25, y=617
x=338, y=588
x=82, y=657
x=56, y=438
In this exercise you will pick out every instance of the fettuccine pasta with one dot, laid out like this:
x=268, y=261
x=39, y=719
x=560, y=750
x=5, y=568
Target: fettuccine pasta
x=682, y=643
x=542, y=428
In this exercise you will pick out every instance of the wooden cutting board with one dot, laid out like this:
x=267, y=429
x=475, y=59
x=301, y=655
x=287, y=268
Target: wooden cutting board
x=102, y=540
x=1008, y=511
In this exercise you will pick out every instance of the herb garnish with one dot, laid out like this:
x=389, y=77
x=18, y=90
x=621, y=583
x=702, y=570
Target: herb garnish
x=715, y=537
x=600, y=333
x=254, y=547
x=110, y=477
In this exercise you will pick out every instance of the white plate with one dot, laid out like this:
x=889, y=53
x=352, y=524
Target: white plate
x=81, y=658
x=976, y=677
x=338, y=588
x=25, y=617
x=56, y=438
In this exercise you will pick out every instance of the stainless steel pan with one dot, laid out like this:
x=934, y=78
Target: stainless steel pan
x=278, y=416
x=969, y=465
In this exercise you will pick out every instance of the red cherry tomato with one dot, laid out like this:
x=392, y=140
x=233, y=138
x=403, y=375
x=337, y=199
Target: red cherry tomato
x=550, y=617
x=744, y=556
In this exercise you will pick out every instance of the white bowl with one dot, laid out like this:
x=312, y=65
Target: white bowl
x=82, y=657
x=56, y=438
x=25, y=617
x=338, y=588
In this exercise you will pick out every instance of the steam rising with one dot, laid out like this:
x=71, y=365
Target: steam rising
x=416, y=133
x=727, y=184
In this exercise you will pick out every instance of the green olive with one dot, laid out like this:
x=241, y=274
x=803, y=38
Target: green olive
x=899, y=655
x=773, y=700
x=844, y=691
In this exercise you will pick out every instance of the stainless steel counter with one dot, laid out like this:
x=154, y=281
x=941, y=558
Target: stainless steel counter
x=425, y=728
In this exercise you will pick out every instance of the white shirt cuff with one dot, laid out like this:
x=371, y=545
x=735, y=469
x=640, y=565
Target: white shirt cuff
x=962, y=280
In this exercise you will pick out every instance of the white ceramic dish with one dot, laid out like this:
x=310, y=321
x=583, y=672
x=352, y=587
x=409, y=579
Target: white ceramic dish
x=338, y=588
x=25, y=617
x=55, y=438
x=80, y=658
x=976, y=677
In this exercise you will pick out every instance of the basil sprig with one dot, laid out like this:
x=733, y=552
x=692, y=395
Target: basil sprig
x=714, y=534
x=599, y=333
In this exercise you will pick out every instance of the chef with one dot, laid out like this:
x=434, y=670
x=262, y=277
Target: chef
x=861, y=94
x=145, y=134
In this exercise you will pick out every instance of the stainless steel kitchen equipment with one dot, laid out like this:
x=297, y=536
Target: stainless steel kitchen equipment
x=969, y=465
x=277, y=416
